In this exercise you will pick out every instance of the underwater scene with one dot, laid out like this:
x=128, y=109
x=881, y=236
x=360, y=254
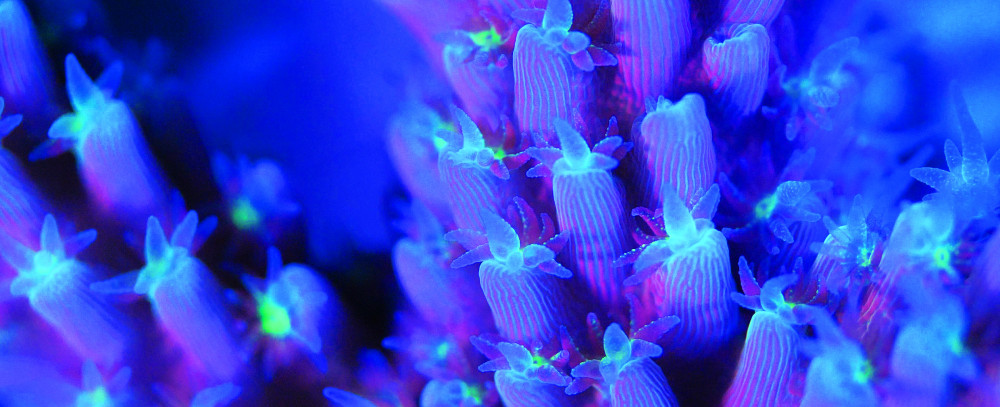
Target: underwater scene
x=522, y=203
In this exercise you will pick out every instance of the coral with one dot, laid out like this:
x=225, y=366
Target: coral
x=686, y=272
x=839, y=374
x=257, y=195
x=589, y=207
x=522, y=281
x=22, y=208
x=653, y=37
x=971, y=181
x=771, y=349
x=675, y=145
x=114, y=159
x=57, y=287
x=551, y=70
x=184, y=294
x=26, y=77
x=627, y=370
x=735, y=61
x=524, y=378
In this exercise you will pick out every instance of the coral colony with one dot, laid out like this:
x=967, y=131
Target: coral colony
x=615, y=203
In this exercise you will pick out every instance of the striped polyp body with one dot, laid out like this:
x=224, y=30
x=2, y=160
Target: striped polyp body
x=87, y=322
x=828, y=274
x=20, y=215
x=876, y=316
x=446, y=297
x=695, y=285
x=517, y=391
x=751, y=11
x=415, y=158
x=882, y=298
x=471, y=188
x=118, y=167
x=528, y=304
x=505, y=7
x=676, y=147
x=654, y=38
x=736, y=65
x=547, y=86
x=766, y=363
x=24, y=76
x=641, y=383
x=589, y=205
x=189, y=308
x=480, y=88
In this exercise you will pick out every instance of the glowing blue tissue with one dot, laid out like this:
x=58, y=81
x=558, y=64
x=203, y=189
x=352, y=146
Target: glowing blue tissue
x=444, y=296
x=589, y=206
x=525, y=286
x=736, y=62
x=414, y=146
x=217, y=396
x=294, y=307
x=627, y=374
x=848, y=257
x=341, y=398
x=473, y=176
x=552, y=67
x=654, y=38
x=524, y=378
x=839, y=375
x=26, y=382
x=920, y=246
x=257, y=193
x=479, y=74
x=115, y=162
x=674, y=142
x=57, y=287
x=929, y=352
x=21, y=206
x=456, y=393
x=185, y=296
x=751, y=11
x=771, y=350
x=25, y=77
x=816, y=93
x=684, y=270
x=972, y=183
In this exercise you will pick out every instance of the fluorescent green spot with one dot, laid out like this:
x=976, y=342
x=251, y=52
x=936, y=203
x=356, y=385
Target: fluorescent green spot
x=274, y=320
x=499, y=154
x=95, y=398
x=79, y=122
x=864, y=374
x=865, y=256
x=765, y=207
x=245, y=216
x=440, y=143
x=942, y=257
x=486, y=39
x=158, y=268
x=474, y=393
x=956, y=346
x=441, y=350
